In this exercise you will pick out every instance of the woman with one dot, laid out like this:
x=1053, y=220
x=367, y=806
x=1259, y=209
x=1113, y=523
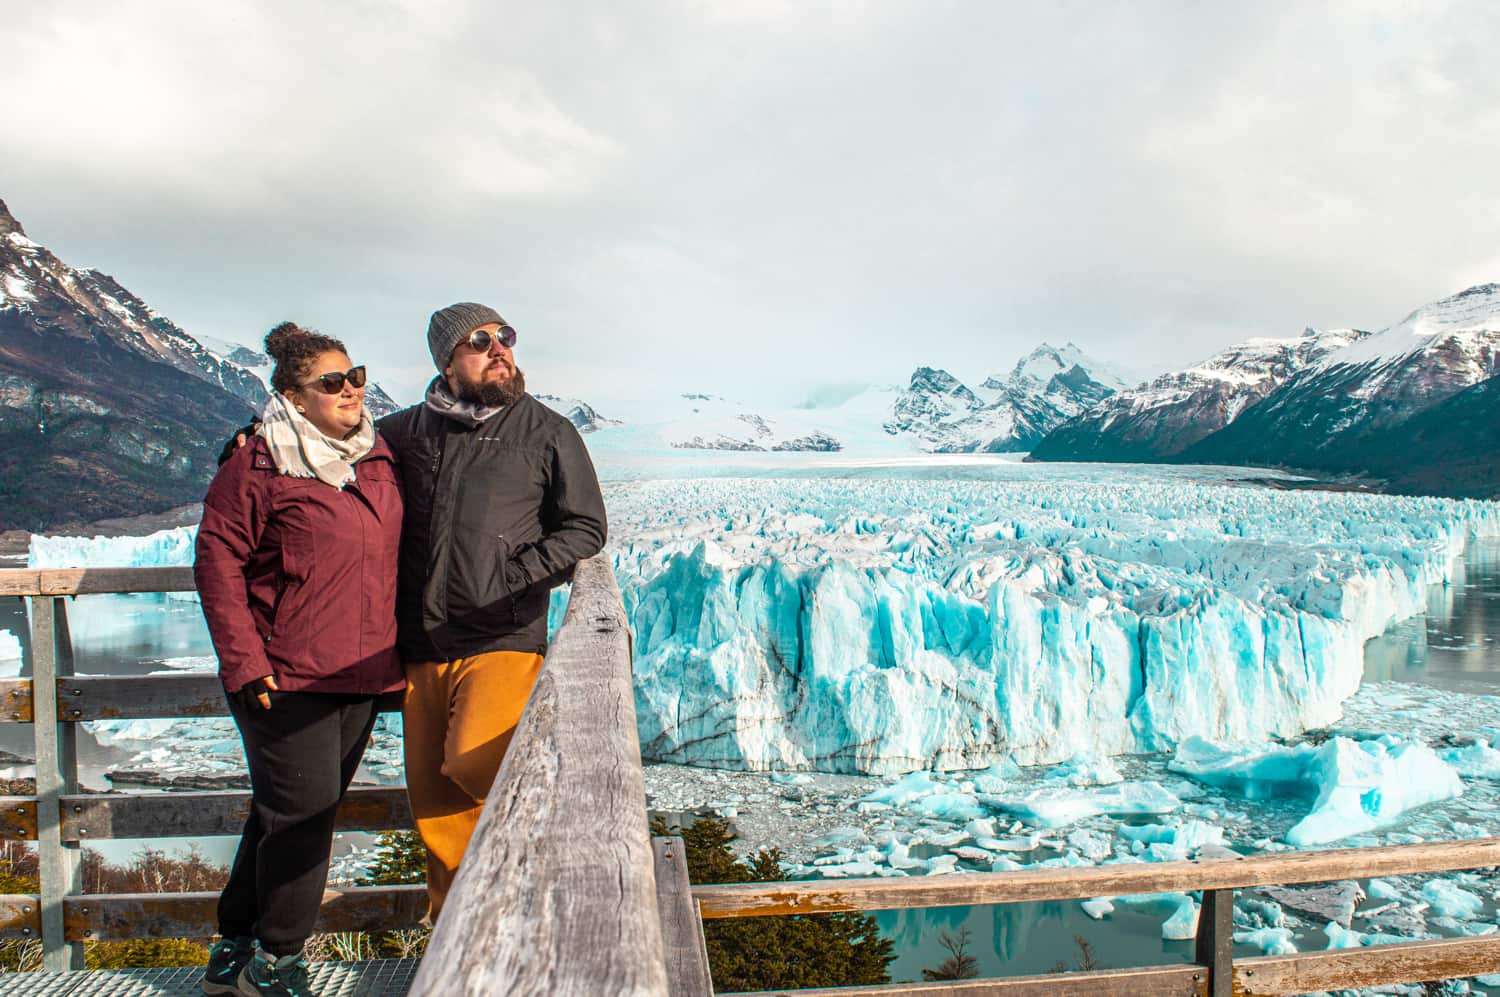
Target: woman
x=296, y=569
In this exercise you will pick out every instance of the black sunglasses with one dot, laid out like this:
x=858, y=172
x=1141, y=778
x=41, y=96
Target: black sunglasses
x=332, y=383
x=480, y=340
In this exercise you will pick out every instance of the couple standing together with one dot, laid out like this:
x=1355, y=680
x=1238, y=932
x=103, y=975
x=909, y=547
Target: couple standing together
x=338, y=560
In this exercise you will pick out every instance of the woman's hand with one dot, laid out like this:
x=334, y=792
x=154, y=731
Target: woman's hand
x=263, y=694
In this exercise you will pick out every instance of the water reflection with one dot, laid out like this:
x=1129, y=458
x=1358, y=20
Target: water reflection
x=1453, y=646
x=1030, y=938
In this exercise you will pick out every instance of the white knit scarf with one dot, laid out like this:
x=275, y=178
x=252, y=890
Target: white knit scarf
x=301, y=450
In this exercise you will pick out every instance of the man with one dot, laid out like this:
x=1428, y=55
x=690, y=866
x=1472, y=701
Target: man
x=501, y=502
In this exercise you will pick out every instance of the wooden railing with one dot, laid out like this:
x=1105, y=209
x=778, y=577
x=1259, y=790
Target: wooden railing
x=557, y=893
x=60, y=818
x=562, y=891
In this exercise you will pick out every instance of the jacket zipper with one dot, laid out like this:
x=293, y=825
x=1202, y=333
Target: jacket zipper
x=504, y=563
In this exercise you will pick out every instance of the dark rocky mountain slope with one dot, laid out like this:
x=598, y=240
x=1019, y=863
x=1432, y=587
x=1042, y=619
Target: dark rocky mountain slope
x=106, y=408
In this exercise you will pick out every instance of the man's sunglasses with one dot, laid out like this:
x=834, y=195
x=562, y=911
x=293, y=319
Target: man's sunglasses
x=332, y=383
x=480, y=340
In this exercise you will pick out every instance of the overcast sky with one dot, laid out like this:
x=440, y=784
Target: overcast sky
x=756, y=197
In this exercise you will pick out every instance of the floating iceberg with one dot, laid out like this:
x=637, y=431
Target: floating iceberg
x=10, y=654
x=1357, y=786
x=1368, y=784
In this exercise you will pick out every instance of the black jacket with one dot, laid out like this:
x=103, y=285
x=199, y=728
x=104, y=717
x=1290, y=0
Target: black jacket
x=496, y=516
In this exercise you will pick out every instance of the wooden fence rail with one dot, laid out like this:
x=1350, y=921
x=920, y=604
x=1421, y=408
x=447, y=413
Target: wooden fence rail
x=557, y=892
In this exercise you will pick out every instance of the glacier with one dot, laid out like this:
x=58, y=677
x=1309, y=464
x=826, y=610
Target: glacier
x=885, y=626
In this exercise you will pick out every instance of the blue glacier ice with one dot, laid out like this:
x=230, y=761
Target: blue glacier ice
x=891, y=626
x=886, y=626
x=171, y=548
x=1356, y=786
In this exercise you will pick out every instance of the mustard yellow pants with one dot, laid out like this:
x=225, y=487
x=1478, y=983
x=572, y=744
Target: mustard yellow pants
x=459, y=717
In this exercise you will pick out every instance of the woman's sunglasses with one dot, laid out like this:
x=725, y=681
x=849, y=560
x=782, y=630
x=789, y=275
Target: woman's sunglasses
x=480, y=340
x=332, y=383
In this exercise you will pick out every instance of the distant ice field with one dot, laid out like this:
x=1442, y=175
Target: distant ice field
x=616, y=463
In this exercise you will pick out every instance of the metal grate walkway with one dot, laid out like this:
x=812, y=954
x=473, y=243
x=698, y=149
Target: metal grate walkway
x=379, y=978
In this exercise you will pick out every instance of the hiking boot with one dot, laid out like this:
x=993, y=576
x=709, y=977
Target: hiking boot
x=265, y=975
x=225, y=960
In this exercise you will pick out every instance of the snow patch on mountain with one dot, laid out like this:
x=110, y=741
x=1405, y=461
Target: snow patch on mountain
x=579, y=412
x=1473, y=315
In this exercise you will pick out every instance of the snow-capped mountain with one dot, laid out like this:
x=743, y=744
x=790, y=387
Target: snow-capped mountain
x=579, y=412
x=1329, y=415
x=702, y=421
x=106, y=407
x=88, y=305
x=260, y=366
x=1045, y=389
x=1166, y=416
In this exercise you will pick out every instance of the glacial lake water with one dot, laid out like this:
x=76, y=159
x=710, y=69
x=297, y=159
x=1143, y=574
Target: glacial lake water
x=1452, y=647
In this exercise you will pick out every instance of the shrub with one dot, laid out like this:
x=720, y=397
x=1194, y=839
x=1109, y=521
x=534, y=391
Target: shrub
x=772, y=953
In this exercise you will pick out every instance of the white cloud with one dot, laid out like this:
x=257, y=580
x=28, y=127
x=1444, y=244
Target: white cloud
x=755, y=192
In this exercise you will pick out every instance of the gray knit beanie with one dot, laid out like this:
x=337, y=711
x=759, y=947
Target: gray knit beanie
x=452, y=325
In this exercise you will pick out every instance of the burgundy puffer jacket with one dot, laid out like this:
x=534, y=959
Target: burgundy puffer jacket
x=298, y=578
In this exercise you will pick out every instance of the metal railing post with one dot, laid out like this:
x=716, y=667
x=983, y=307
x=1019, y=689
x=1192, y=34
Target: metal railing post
x=56, y=775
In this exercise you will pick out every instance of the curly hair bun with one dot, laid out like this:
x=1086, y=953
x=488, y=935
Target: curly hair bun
x=283, y=341
x=294, y=349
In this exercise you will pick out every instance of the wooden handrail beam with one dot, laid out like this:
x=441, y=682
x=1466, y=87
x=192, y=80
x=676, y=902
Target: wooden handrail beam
x=1025, y=885
x=94, y=581
x=116, y=916
x=1149, y=981
x=132, y=697
x=101, y=816
x=1369, y=966
x=20, y=917
x=18, y=818
x=557, y=892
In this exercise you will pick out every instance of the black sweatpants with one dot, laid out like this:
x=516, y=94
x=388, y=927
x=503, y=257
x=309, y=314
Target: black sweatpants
x=302, y=753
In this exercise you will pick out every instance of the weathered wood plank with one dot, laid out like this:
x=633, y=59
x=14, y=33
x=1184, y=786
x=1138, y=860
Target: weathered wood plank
x=99, y=816
x=93, y=581
x=1151, y=981
x=1214, y=945
x=20, y=917
x=18, y=818
x=827, y=896
x=113, y=916
x=681, y=927
x=1374, y=965
x=134, y=697
x=56, y=774
x=15, y=701
x=557, y=894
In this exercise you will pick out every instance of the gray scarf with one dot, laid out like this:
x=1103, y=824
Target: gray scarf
x=299, y=449
x=442, y=401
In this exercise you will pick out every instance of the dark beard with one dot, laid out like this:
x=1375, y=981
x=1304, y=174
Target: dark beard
x=493, y=395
